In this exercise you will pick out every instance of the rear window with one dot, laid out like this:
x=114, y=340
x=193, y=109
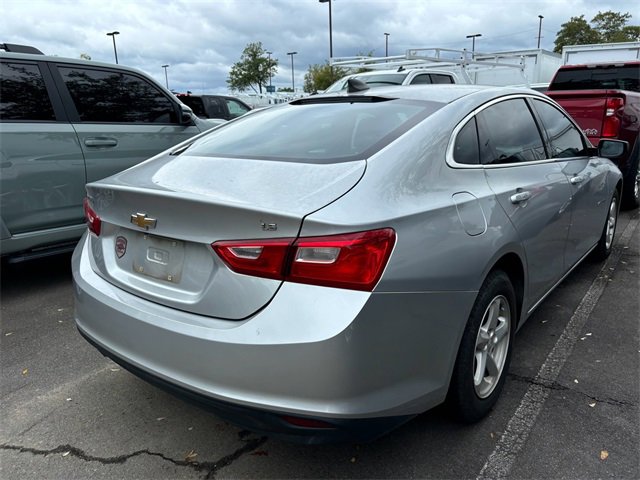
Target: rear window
x=383, y=79
x=624, y=77
x=331, y=130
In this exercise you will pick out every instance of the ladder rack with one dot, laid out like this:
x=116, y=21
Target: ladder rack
x=462, y=61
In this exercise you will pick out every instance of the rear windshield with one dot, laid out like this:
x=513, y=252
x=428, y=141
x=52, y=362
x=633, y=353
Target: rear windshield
x=626, y=77
x=331, y=130
x=383, y=79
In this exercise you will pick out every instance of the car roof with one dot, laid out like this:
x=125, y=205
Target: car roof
x=76, y=61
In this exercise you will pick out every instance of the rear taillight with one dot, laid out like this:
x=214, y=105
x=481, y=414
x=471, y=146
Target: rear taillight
x=354, y=260
x=611, y=125
x=93, y=220
x=263, y=258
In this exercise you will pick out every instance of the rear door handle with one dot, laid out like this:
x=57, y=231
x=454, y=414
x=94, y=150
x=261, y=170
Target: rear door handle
x=520, y=197
x=576, y=180
x=100, y=142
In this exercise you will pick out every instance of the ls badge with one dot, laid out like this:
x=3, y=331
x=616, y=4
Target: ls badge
x=121, y=246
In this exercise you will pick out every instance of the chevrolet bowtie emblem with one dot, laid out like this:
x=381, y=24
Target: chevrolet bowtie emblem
x=141, y=220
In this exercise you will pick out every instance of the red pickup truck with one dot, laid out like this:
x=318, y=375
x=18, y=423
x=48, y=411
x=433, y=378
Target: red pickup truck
x=604, y=99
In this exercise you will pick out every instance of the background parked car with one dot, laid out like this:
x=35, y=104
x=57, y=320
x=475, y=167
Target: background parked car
x=401, y=76
x=329, y=268
x=63, y=123
x=214, y=106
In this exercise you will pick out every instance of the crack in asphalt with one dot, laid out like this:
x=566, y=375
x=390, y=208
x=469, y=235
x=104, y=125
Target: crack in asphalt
x=559, y=387
x=211, y=468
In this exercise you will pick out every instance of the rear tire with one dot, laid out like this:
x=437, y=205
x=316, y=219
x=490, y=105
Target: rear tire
x=605, y=244
x=485, y=350
x=631, y=185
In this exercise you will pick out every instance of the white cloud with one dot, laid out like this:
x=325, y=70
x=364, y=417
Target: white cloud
x=202, y=39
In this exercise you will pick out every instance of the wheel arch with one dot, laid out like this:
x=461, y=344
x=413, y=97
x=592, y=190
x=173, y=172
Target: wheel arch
x=511, y=264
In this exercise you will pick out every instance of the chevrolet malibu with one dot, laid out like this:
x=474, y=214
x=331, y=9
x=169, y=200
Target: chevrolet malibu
x=327, y=269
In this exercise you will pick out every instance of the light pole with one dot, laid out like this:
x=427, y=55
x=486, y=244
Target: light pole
x=166, y=77
x=293, y=83
x=113, y=36
x=330, y=29
x=540, y=29
x=269, y=53
x=473, y=43
x=386, y=44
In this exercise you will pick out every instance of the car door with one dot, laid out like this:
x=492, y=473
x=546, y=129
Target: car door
x=121, y=118
x=533, y=191
x=42, y=172
x=587, y=177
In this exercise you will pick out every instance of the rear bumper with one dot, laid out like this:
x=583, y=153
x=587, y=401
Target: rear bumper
x=267, y=422
x=362, y=362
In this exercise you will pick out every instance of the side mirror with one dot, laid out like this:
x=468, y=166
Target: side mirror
x=186, y=115
x=612, y=148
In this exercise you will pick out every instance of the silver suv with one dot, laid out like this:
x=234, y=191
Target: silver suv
x=66, y=122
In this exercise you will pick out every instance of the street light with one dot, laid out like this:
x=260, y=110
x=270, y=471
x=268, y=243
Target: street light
x=540, y=29
x=166, y=77
x=386, y=44
x=293, y=84
x=473, y=42
x=269, y=53
x=113, y=36
x=330, y=28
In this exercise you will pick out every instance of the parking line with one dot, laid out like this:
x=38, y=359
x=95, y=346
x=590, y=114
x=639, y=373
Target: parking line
x=501, y=460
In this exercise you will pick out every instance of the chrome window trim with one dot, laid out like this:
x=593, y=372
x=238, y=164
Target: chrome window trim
x=454, y=135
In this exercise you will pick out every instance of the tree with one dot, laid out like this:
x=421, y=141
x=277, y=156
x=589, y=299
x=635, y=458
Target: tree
x=575, y=32
x=605, y=27
x=609, y=24
x=253, y=70
x=321, y=76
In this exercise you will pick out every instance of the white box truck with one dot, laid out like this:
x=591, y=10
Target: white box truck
x=600, y=53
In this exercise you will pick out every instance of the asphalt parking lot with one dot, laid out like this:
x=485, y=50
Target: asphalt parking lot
x=570, y=407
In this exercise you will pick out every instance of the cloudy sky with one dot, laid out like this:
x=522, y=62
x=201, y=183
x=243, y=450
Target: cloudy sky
x=200, y=40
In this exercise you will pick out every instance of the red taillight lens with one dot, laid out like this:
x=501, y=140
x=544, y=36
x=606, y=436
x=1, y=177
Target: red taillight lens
x=354, y=261
x=93, y=220
x=260, y=258
x=611, y=125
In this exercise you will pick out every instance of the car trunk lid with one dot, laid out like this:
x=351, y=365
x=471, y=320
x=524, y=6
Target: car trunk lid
x=159, y=219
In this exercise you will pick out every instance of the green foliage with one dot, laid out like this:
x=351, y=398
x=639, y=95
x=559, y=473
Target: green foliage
x=252, y=70
x=321, y=76
x=605, y=27
x=285, y=89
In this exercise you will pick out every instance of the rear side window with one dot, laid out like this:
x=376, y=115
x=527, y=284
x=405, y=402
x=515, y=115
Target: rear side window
x=116, y=97
x=508, y=134
x=466, y=149
x=564, y=139
x=320, y=132
x=421, y=79
x=196, y=104
x=23, y=95
x=624, y=77
x=439, y=78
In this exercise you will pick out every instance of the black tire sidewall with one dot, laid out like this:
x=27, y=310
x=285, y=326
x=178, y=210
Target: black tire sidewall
x=629, y=201
x=464, y=401
x=601, y=252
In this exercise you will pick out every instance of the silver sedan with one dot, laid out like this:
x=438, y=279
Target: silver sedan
x=329, y=268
